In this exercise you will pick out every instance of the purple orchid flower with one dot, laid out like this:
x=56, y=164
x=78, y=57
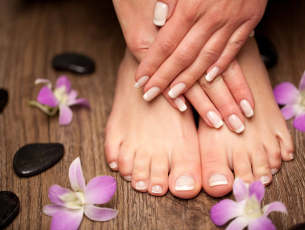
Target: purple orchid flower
x=61, y=99
x=294, y=100
x=247, y=209
x=69, y=206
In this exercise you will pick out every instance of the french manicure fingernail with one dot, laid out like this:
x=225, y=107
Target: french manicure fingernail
x=246, y=107
x=184, y=183
x=141, y=82
x=236, y=123
x=212, y=74
x=218, y=179
x=274, y=171
x=128, y=178
x=176, y=90
x=252, y=33
x=151, y=93
x=247, y=184
x=141, y=185
x=214, y=119
x=156, y=189
x=264, y=179
x=291, y=156
x=180, y=104
x=160, y=13
x=113, y=165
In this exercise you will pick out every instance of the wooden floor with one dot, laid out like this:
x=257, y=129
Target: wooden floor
x=32, y=32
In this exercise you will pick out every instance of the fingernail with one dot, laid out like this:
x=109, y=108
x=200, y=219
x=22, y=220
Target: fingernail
x=291, y=156
x=252, y=33
x=185, y=183
x=218, y=179
x=141, y=185
x=214, y=119
x=247, y=184
x=160, y=14
x=264, y=179
x=141, y=81
x=113, y=165
x=212, y=74
x=274, y=171
x=128, y=178
x=180, y=104
x=156, y=189
x=246, y=107
x=176, y=90
x=236, y=123
x=151, y=93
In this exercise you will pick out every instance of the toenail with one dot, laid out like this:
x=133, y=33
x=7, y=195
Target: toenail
x=236, y=123
x=218, y=179
x=185, y=183
x=128, y=178
x=141, y=185
x=291, y=156
x=113, y=165
x=274, y=171
x=264, y=179
x=156, y=189
x=246, y=107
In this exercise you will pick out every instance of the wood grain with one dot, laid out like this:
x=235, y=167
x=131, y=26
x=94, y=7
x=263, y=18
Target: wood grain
x=32, y=32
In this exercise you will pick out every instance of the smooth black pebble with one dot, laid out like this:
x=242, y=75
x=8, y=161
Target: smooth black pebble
x=267, y=50
x=35, y=158
x=10, y=207
x=298, y=227
x=76, y=63
x=3, y=99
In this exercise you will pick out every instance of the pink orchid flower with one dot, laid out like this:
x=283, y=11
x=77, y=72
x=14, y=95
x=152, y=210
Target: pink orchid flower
x=247, y=209
x=61, y=99
x=294, y=100
x=69, y=206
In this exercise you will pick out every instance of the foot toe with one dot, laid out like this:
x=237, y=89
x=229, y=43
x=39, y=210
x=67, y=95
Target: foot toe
x=273, y=150
x=112, y=149
x=125, y=161
x=242, y=166
x=141, y=171
x=286, y=144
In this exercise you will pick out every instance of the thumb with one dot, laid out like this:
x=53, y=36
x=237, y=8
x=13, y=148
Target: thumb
x=163, y=11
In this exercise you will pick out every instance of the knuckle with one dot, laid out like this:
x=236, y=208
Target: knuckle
x=209, y=85
x=236, y=44
x=139, y=45
x=228, y=107
x=185, y=58
x=211, y=55
x=167, y=47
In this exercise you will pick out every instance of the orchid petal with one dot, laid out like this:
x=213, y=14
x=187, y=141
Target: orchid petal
x=262, y=223
x=72, y=95
x=240, y=189
x=65, y=115
x=55, y=191
x=274, y=207
x=46, y=97
x=100, y=190
x=63, y=81
x=43, y=81
x=238, y=224
x=100, y=214
x=67, y=219
x=286, y=93
x=258, y=189
x=224, y=211
x=299, y=122
x=76, y=176
x=52, y=209
x=289, y=111
x=302, y=83
x=80, y=101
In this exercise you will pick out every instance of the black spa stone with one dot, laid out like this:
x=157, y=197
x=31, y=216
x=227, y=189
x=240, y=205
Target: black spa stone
x=267, y=50
x=3, y=99
x=76, y=63
x=298, y=227
x=35, y=158
x=10, y=206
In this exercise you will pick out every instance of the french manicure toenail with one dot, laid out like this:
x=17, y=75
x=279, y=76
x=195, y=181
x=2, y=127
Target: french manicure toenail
x=274, y=171
x=184, y=183
x=236, y=123
x=264, y=179
x=141, y=185
x=218, y=179
x=141, y=82
x=151, y=93
x=246, y=107
x=180, y=104
x=214, y=119
x=291, y=156
x=113, y=165
x=160, y=14
x=212, y=74
x=156, y=189
x=176, y=90
x=128, y=178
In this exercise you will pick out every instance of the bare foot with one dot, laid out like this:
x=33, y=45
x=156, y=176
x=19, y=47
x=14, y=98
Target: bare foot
x=255, y=154
x=146, y=141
